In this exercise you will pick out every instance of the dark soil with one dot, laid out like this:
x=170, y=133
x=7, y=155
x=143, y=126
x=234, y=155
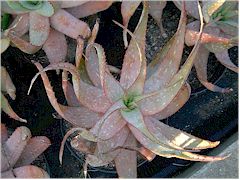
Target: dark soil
x=207, y=114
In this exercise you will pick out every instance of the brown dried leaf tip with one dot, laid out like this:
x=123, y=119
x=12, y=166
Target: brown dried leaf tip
x=116, y=119
x=19, y=151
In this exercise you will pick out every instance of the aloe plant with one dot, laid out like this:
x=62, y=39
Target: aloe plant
x=117, y=119
x=19, y=151
x=220, y=34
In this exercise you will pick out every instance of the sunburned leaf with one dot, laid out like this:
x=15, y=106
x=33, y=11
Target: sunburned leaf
x=171, y=59
x=112, y=125
x=25, y=172
x=35, y=146
x=126, y=160
x=5, y=106
x=79, y=53
x=15, y=145
x=89, y=8
x=132, y=58
x=149, y=155
x=168, y=152
x=39, y=29
x=95, y=29
x=69, y=25
x=201, y=69
x=178, y=101
x=156, y=10
x=177, y=137
x=210, y=7
x=224, y=59
x=55, y=46
x=127, y=10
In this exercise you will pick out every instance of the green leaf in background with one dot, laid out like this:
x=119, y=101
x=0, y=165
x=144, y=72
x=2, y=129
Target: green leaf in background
x=5, y=21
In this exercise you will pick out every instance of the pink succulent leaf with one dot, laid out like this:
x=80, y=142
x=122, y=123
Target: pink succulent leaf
x=178, y=137
x=15, y=145
x=35, y=146
x=89, y=8
x=79, y=116
x=210, y=7
x=178, y=101
x=88, y=95
x=115, y=141
x=83, y=145
x=191, y=7
x=20, y=24
x=26, y=172
x=69, y=91
x=172, y=55
x=112, y=125
x=201, y=69
x=224, y=59
x=132, y=58
x=168, y=152
x=127, y=10
x=115, y=107
x=55, y=47
x=126, y=160
x=5, y=106
x=39, y=28
x=69, y=25
x=69, y=4
x=156, y=10
x=7, y=84
x=22, y=44
x=209, y=35
x=4, y=133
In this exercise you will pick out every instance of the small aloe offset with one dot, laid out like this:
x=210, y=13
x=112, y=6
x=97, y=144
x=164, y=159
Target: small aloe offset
x=116, y=119
x=219, y=34
x=19, y=151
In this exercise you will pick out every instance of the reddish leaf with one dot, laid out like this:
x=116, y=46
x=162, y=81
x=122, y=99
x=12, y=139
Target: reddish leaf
x=95, y=29
x=191, y=7
x=15, y=145
x=89, y=8
x=69, y=25
x=127, y=10
x=224, y=59
x=112, y=125
x=201, y=69
x=55, y=47
x=39, y=28
x=170, y=63
x=20, y=25
x=126, y=160
x=35, y=146
x=149, y=155
x=30, y=172
x=79, y=53
x=132, y=58
x=4, y=133
x=83, y=145
x=7, y=84
x=156, y=10
x=178, y=101
x=68, y=4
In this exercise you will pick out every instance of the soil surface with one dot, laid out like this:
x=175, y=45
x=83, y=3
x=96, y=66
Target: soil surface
x=207, y=114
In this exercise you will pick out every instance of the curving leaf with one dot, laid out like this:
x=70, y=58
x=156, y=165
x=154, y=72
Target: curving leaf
x=83, y=145
x=191, y=7
x=224, y=59
x=7, y=84
x=4, y=133
x=35, y=146
x=39, y=29
x=89, y=8
x=15, y=5
x=20, y=25
x=69, y=25
x=55, y=47
x=201, y=69
x=132, y=57
x=68, y=4
x=172, y=55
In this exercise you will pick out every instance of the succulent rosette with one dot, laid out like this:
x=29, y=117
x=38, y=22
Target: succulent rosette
x=117, y=119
